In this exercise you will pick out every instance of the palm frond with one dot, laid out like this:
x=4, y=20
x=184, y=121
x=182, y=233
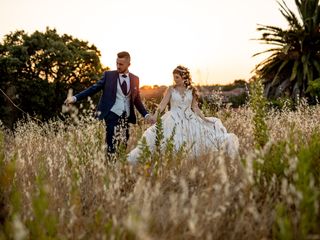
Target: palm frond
x=289, y=15
x=294, y=70
x=316, y=64
x=269, y=27
x=269, y=50
x=284, y=63
x=272, y=58
x=268, y=71
x=295, y=55
x=272, y=41
x=305, y=64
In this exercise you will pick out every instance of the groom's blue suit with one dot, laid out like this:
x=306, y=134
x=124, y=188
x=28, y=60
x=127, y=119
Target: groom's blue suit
x=108, y=84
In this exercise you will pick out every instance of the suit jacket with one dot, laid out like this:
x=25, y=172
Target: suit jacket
x=108, y=85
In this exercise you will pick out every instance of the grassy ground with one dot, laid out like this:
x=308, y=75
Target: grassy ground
x=56, y=184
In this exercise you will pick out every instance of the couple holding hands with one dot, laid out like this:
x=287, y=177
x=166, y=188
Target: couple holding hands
x=120, y=95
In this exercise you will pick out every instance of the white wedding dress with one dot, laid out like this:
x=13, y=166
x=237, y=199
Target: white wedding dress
x=200, y=137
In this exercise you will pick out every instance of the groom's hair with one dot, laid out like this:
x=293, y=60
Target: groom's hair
x=124, y=55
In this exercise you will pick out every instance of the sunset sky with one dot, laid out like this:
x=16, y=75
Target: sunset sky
x=213, y=38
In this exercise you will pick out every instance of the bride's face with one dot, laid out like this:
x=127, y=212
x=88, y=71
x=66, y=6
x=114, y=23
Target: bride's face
x=177, y=79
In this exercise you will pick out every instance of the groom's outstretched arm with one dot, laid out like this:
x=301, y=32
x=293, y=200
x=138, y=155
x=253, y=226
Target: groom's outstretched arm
x=92, y=90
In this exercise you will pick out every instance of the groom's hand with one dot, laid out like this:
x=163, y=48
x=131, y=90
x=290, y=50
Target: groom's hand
x=149, y=119
x=70, y=100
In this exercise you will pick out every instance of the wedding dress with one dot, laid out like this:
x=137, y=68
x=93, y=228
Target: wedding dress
x=199, y=136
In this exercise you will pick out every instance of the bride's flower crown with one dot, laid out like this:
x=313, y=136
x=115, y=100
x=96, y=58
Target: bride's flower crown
x=182, y=69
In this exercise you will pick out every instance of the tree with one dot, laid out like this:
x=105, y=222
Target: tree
x=37, y=70
x=293, y=68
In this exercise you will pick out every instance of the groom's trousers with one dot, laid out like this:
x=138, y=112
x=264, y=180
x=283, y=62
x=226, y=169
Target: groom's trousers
x=117, y=131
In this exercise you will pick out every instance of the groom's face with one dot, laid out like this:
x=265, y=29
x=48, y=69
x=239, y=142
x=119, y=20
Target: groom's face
x=123, y=65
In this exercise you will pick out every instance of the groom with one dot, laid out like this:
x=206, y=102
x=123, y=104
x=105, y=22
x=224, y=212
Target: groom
x=120, y=94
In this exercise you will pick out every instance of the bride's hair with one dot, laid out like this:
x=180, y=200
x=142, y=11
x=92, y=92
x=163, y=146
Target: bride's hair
x=187, y=80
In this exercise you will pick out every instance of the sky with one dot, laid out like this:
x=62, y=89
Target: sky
x=213, y=38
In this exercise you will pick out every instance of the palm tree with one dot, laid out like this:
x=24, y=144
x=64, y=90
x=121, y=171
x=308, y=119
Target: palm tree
x=293, y=68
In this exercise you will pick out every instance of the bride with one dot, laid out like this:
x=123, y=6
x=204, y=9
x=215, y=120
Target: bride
x=200, y=134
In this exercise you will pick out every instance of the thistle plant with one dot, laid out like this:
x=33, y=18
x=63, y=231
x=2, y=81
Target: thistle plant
x=258, y=104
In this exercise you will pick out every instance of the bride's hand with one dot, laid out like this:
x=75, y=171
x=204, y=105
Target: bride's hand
x=150, y=119
x=154, y=118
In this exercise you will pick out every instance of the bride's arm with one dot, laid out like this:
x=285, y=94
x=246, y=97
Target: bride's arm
x=196, y=109
x=164, y=102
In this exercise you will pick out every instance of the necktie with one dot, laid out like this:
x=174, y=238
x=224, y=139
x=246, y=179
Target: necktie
x=124, y=87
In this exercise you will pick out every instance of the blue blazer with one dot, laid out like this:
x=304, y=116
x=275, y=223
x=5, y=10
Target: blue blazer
x=108, y=85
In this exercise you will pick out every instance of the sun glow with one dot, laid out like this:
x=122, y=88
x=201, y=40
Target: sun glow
x=210, y=37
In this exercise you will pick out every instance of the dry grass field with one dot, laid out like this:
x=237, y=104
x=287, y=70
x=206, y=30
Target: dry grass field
x=56, y=183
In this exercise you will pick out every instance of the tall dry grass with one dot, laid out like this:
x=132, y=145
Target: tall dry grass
x=57, y=184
